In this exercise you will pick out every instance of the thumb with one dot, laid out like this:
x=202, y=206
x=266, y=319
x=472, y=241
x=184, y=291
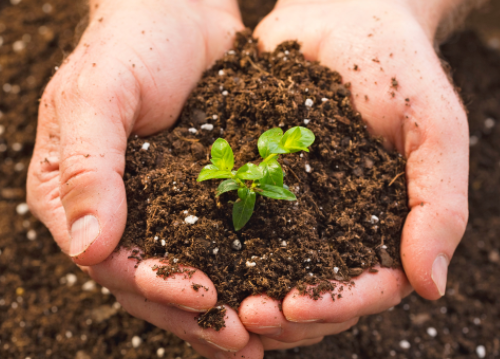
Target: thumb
x=75, y=183
x=94, y=128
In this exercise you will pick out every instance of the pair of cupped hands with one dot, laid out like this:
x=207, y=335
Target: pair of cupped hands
x=132, y=72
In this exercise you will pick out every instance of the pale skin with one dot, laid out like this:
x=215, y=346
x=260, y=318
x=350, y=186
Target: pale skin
x=131, y=73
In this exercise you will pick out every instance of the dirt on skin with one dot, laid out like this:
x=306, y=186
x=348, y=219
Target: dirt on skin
x=46, y=313
x=351, y=193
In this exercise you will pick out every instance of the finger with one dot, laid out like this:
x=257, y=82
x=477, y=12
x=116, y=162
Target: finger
x=253, y=350
x=176, y=289
x=271, y=344
x=42, y=188
x=232, y=338
x=371, y=293
x=437, y=180
x=262, y=315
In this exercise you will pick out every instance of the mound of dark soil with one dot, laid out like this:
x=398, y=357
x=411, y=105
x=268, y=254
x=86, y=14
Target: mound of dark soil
x=351, y=192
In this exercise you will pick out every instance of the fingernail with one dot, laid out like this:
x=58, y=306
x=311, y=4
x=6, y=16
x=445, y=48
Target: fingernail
x=83, y=233
x=225, y=350
x=189, y=309
x=440, y=273
x=306, y=320
x=267, y=330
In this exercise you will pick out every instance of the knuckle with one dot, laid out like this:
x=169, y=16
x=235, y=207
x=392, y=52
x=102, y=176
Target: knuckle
x=457, y=219
x=42, y=190
x=76, y=174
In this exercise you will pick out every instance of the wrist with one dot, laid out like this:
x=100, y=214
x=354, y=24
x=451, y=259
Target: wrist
x=428, y=13
x=97, y=7
x=432, y=14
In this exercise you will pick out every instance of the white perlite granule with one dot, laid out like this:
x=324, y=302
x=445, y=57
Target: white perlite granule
x=250, y=264
x=309, y=102
x=160, y=352
x=207, y=127
x=145, y=146
x=71, y=279
x=105, y=291
x=481, y=351
x=308, y=168
x=88, y=286
x=335, y=270
x=191, y=219
x=432, y=331
x=374, y=219
x=31, y=235
x=405, y=344
x=192, y=130
x=136, y=341
x=306, y=121
x=489, y=123
x=22, y=208
x=237, y=245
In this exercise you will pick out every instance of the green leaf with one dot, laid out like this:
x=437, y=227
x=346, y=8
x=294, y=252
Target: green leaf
x=269, y=142
x=297, y=139
x=243, y=208
x=276, y=192
x=222, y=155
x=226, y=186
x=249, y=171
x=211, y=172
x=273, y=173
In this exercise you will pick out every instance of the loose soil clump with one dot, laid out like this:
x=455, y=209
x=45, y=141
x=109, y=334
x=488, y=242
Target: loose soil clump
x=351, y=192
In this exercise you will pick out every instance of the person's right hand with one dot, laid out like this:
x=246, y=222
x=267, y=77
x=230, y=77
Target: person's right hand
x=131, y=73
x=384, y=48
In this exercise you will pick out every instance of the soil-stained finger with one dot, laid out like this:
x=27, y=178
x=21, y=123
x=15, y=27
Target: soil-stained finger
x=372, y=293
x=232, y=338
x=253, y=350
x=271, y=344
x=261, y=315
x=187, y=288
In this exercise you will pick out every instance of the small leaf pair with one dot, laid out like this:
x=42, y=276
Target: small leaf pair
x=267, y=177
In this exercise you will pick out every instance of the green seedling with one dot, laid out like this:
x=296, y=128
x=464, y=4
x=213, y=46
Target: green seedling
x=265, y=179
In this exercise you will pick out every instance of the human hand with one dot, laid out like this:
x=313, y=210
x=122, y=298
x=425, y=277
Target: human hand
x=132, y=72
x=384, y=48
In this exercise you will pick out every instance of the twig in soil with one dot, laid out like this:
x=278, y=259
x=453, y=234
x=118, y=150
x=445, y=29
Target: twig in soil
x=292, y=83
x=184, y=138
x=257, y=67
x=293, y=173
x=395, y=178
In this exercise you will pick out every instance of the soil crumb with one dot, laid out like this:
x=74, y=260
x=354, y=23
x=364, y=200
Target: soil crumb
x=213, y=318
